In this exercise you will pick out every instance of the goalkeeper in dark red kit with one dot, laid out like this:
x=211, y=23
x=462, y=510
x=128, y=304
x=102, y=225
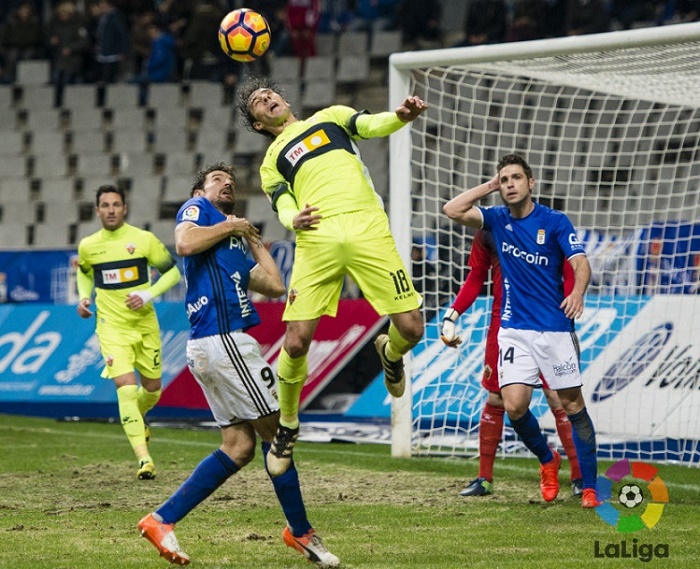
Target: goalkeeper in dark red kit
x=482, y=258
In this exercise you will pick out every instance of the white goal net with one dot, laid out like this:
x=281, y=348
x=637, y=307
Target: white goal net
x=610, y=124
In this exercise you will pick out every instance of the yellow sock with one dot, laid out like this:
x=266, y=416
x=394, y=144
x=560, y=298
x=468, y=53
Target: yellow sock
x=292, y=376
x=132, y=421
x=397, y=346
x=147, y=399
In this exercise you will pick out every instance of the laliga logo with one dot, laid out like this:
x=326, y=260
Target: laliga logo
x=627, y=486
x=633, y=362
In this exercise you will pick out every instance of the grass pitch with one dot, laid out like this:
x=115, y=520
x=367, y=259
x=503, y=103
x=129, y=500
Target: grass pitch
x=69, y=499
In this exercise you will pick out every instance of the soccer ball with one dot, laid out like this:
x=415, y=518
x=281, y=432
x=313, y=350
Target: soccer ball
x=630, y=496
x=244, y=35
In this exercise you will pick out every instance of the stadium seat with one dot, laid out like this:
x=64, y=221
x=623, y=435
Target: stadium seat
x=142, y=207
x=37, y=97
x=86, y=228
x=164, y=230
x=318, y=93
x=12, y=143
x=205, y=94
x=385, y=42
x=353, y=43
x=57, y=190
x=352, y=68
x=13, y=235
x=58, y=212
x=19, y=212
x=94, y=165
x=8, y=120
x=34, y=72
x=170, y=118
x=48, y=165
x=121, y=96
x=13, y=190
x=43, y=120
x=180, y=164
x=176, y=189
x=319, y=68
x=87, y=142
x=165, y=95
x=285, y=68
x=132, y=140
x=171, y=140
x=326, y=44
x=86, y=118
x=136, y=164
x=51, y=236
x=129, y=118
x=77, y=97
x=6, y=97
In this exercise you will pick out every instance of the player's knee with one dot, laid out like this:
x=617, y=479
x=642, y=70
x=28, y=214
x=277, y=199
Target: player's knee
x=241, y=453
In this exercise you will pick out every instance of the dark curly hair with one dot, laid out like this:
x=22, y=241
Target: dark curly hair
x=245, y=91
x=109, y=189
x=517, y=160
x=199, y=180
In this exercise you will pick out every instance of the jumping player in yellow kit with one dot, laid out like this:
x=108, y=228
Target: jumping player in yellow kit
x=116, y=262
x=314, y=176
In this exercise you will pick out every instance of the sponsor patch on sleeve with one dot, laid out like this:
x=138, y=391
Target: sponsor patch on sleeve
x=191, y=213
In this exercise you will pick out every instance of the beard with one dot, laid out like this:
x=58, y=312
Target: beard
x=225, y=207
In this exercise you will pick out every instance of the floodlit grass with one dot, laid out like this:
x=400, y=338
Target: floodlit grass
x=69, y=499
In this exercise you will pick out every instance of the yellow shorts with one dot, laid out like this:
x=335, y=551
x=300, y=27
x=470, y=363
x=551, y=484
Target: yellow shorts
x=124, y=350
x=359, y=244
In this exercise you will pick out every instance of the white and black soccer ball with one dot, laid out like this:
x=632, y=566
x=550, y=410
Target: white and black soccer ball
x=631, y=496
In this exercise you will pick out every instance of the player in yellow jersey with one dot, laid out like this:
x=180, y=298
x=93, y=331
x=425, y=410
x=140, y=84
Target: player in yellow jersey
x=314, y=176
x=116, y=262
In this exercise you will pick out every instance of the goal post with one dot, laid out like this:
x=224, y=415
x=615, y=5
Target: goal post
x=610, y=124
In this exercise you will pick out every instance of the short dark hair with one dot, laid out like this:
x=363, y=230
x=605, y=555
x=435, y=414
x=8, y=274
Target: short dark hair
x=515, y=159
x=109, y=189
x=199, y=180
x=245, y=91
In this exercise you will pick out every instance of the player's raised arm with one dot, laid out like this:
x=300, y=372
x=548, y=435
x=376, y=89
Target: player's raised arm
x=461, y=208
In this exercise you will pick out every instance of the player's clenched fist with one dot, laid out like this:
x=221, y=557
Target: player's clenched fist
x=449, y=333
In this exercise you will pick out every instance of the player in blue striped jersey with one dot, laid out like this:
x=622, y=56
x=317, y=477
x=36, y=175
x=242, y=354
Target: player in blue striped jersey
x=239, y=385
x=537, y=318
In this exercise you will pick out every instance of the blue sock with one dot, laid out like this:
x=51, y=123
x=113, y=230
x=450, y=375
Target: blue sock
x=583, y=433
x=528, y=430
x=289, y=495
x=211, y=473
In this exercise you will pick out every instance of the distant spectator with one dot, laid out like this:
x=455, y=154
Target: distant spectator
x=554, y=19
x=420, y=23
x=587, y=17
x=484, y=22
x=69, y=45
x=200, y=49
x=275, y=12
x=21, y=38
x=374, y=15
x=161, y=65
x=175, y=15
x=302, y=25
x=111, y=41
x=526, y=23
x=629, y=12
x=141, y=38
x=685, y=11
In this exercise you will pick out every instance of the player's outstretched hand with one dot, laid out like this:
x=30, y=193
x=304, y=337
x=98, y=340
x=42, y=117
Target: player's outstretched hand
x=449, y=333
x=410, y=108
x=307, y=219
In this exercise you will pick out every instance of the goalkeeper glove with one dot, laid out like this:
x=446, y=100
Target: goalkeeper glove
x=449, y=334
